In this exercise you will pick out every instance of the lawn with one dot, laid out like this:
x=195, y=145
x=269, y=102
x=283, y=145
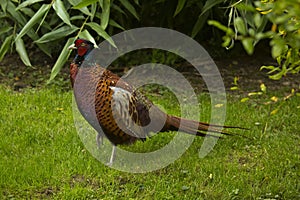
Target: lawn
x=42, y=155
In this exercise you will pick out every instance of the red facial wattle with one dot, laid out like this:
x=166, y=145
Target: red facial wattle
x=82, y=50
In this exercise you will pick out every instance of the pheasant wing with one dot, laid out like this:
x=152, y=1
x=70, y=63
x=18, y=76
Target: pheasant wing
x=129, y=113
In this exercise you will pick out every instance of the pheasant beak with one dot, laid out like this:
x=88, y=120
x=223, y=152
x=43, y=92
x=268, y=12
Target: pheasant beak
x=71, y=47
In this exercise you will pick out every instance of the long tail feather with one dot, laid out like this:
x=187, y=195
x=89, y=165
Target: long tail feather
x=193, y=127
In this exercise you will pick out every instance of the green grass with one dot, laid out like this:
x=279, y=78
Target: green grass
x=43, y=157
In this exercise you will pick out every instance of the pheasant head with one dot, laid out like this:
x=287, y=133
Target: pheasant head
x=83, y=48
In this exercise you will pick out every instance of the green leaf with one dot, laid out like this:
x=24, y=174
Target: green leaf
x=86, y=35
x=239, y=24
x=34, y=20
x=84, y=10
x=4, y=6
x=57, y=34
x=115, y=24
x=269, y=67
x=27, y=3
x=130, y=8
x=20, y=47
x=77, y=17
x=257, y=20
x=244, y=99
x=199, y=24
x=61, y=11
x=105, y=14
x=263, y=87
x=5, y=29
x=5, y=46
x=248, y=45
x=209, y=4
x=277, y=76
x=85, y=3
x=117, y=8
x=27, y=11
x=220, y=26
x=234, y=88
x=278, y=47
x=63, y=57
x=96, y=27
x=11, y=9
x=180, y=6
x=245, y=7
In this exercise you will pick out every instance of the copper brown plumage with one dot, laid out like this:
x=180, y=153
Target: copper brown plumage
x=115, y=108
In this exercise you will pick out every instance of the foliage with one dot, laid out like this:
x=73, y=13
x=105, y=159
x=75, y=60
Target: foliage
x=47, y=24
x=248, y=23
x=52, y=25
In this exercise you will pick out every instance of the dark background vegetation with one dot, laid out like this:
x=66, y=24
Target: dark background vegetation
x=39, y=31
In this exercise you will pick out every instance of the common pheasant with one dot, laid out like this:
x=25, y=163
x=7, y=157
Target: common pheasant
x=117, y=109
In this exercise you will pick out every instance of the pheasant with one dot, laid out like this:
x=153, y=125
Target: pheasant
x=115, y=108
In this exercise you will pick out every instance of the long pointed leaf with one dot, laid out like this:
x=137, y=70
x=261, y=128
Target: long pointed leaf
x=130, y=8
x=20, y=47
x=27, y=3
x=96, y=27
x=63, y=57
x=11, y=9
x=5, y=29
x=5, y=46
x=115, y=24
x=61, y=11
x=86, y=35
x=105, y=14
x=57, y=34
x=179, y=7
x=199, y=24
x=84, y=10
x=85, y=4
x=34, y=20
x=209, y=4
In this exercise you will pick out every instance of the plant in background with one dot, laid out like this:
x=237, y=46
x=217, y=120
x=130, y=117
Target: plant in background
x=46, y=24
x=247, y=23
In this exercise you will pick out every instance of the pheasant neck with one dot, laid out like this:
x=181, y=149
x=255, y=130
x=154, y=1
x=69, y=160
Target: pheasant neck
x=73, y=73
